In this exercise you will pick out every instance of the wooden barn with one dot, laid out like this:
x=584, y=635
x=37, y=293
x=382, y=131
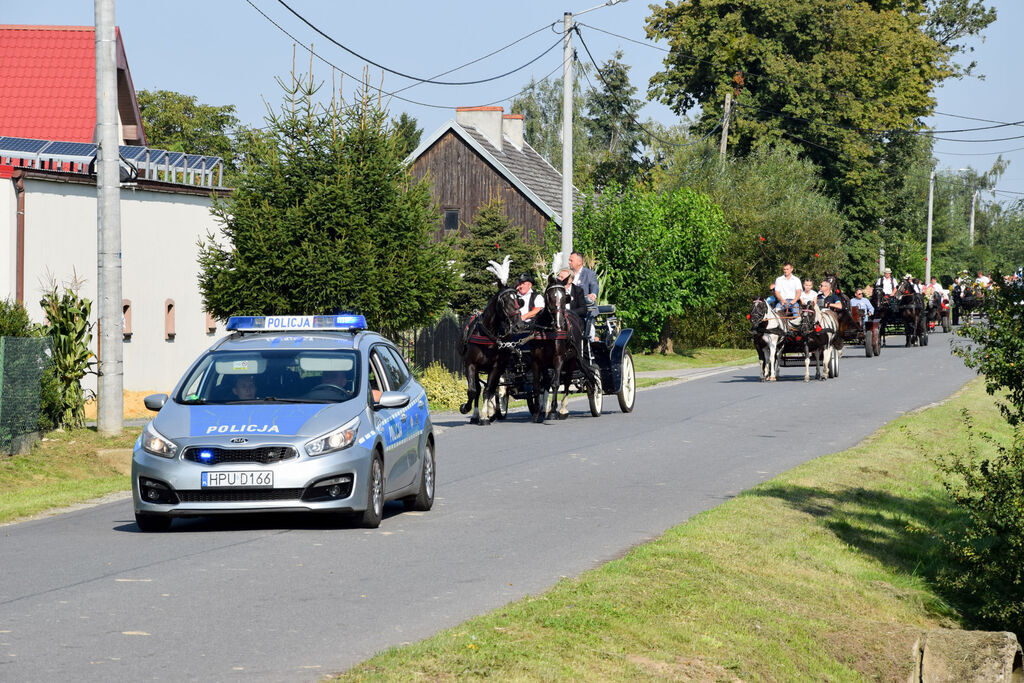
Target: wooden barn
x=480, y=155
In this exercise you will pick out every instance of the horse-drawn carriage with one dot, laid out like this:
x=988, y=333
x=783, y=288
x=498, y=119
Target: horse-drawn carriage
x=610, y=361
x=867, y=332
x=533, y=361
x=902, y=312
x=967, y=300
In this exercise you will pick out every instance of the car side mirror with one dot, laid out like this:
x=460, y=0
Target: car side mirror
x=155, y=402
x=392, y=399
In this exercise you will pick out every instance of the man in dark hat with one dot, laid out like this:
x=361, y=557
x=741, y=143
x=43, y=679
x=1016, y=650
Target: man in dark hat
x=530, y=302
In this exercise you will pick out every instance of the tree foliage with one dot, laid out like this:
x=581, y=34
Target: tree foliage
x=661, y=253
x=407, y=132
x=325, y=218
x=613, y=127
x=70, y=332
x=491, y=237
x=777, y=211
x=178, y=122
x=836, y=78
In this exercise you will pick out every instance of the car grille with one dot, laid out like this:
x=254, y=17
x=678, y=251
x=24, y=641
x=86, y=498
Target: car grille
x=239, y=495
x=263, y=455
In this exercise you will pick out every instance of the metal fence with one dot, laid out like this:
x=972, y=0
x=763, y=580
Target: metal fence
x=434, y=344
x=22, y=362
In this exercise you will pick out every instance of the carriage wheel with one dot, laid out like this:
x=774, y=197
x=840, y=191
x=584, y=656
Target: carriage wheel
x=869, y=344
x=923, y=338
x=595, y=393
x=834, y=364
x=501, y=403
x=947, y=326
x=627, y=389
x=876, y=340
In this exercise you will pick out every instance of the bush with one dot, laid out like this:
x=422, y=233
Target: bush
x=446, y=391
x=660, y=252
x=68, y=327
x=14, y=322
x=988, y=546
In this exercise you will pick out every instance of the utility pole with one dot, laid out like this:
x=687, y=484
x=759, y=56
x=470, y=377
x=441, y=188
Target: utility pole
x=110, y=413
x=928, y=251
x=725, y=125
x=567, y=88
x=881, y=261
x=974, y=201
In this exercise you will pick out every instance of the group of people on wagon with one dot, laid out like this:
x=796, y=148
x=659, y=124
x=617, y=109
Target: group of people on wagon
x=790, y=295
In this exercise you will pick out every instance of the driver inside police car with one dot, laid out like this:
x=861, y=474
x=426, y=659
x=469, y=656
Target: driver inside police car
x=244, y=387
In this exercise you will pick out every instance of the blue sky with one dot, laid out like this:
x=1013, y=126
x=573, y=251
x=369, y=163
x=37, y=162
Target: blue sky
x=226, y=52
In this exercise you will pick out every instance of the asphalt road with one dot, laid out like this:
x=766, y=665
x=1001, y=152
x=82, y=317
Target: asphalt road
x=84, y=596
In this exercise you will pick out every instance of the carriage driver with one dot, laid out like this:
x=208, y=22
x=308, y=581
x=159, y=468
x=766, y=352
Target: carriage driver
x=787, y=291
x=530, y=302
x=887, y=283
x=829, y=300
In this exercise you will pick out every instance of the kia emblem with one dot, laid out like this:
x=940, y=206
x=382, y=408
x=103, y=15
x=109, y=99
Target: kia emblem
x=239, y=439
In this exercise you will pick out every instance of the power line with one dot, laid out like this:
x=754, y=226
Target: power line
x=977, y=154
x=382, y=92
x=745, y=73
x=409, y=76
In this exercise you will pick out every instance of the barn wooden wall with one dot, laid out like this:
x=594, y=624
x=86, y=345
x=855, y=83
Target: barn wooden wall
x=462, y=180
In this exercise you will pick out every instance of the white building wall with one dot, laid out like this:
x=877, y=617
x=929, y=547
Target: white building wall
x=8, y=239
x=159, y=235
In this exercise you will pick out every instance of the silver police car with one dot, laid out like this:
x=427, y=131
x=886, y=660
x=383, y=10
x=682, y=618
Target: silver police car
x=287, y=413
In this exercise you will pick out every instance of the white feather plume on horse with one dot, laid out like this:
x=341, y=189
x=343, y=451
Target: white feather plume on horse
x=556, y=263
x=500, y=270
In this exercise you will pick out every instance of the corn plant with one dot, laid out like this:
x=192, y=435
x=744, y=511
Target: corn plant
x=68, y=326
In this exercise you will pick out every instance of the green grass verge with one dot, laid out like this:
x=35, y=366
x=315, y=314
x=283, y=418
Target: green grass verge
x=823, y=573
x=61, y=470
x=695, y=358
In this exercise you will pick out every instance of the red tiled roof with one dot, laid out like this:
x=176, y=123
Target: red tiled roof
x=48, y=82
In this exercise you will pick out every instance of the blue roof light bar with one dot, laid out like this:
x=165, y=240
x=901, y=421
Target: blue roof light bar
x=295, y=323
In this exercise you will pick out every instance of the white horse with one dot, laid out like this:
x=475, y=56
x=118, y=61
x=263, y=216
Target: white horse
x=819, y=329
x=768, y=330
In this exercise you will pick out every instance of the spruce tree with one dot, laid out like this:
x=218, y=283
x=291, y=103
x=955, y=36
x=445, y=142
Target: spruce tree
x=327, y=218
x=492, y=237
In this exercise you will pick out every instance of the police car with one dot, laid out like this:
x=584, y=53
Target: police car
x=287, y=413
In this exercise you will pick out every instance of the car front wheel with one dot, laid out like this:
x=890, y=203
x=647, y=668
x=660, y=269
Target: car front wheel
x=424, y=499
x=371, y=516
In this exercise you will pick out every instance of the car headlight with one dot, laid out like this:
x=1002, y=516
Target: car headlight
x=339, y=439
x=156, y=443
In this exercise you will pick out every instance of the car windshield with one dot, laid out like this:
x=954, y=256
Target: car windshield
x=272, y=376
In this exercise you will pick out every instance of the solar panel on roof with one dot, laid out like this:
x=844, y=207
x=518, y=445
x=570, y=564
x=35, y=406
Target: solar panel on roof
x=174, y=158
x=196, y=161
x=21, y=145
x=132, y=152
x=70, y=149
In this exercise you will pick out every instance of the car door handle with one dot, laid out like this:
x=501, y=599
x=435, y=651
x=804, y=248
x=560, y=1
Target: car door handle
x=402, y=417
x=419, y=404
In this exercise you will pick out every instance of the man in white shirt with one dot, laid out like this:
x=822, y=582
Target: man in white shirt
x=530, y=302
x=787, y=291
x=887, y=283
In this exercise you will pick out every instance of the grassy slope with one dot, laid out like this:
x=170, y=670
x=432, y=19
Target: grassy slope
x=696, y=358
x=823, y=573
x=61, y=470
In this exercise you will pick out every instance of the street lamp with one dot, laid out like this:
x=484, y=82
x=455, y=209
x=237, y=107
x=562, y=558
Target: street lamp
x=567, y=88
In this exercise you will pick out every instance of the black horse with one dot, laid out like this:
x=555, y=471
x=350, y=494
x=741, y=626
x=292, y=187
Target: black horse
x=483, y=350
x=912, y=313
x=966, y=300
x=887, y=310
x=557, y=352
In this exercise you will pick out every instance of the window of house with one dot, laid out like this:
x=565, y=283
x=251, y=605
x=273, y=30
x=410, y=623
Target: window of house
x=126, y=319
x=451, y=221
x=169, y=320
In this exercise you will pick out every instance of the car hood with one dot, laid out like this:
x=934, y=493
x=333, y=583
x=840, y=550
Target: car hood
x=176, y=420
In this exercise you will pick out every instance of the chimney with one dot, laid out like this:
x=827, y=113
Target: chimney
x=512, y=127
x=487, y=120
